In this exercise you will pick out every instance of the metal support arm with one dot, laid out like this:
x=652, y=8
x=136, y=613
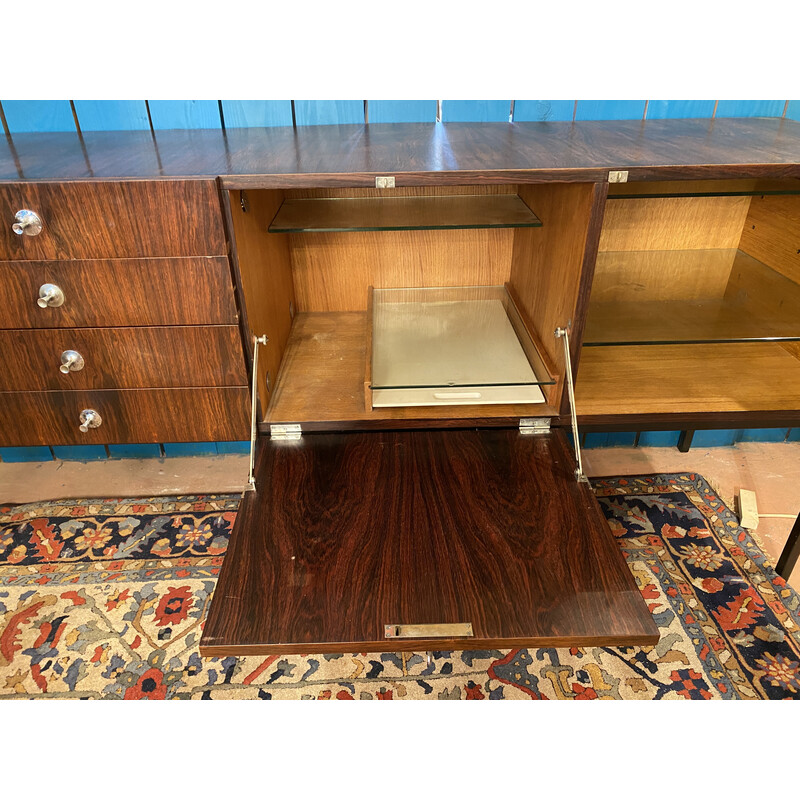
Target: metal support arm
x=562, y=333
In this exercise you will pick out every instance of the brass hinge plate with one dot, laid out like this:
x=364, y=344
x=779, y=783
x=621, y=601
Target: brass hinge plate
x=438, y=630
x=618, y=176
x=384, y=182
x=533, y=425
x=285, y=432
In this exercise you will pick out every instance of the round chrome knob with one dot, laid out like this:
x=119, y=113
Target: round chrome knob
x=71, y=361
x=27, y=222
x=50, y=295
x=90, y=419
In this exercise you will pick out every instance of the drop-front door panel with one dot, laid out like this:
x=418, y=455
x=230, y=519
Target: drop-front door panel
x=458, y=539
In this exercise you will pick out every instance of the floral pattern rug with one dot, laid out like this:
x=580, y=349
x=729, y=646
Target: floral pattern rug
x=107, y=599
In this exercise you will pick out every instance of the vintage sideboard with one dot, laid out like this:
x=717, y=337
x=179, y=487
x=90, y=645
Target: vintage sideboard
x=651, y=268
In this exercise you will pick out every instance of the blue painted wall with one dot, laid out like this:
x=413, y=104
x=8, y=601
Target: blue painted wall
x=23, y=116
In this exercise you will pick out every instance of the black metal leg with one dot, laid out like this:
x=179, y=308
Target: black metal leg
x=685, y=441
x=790, y=552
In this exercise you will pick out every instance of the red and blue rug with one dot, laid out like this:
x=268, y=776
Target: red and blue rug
x=107, y=598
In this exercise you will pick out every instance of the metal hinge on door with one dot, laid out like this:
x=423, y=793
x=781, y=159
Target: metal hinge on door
x=285, y=433
x=533, y=425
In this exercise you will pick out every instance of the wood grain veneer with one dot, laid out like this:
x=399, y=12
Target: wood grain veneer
x=129, y=415
x=701, y=379
x=263, y=264
x=123, y=358
x=125, y=219
x=349, y=532
x=322, y=376
x=547, y=264
x=416, y=153
x=119, y=292
x=771, y=234
x=333, y=270
x=673, y=223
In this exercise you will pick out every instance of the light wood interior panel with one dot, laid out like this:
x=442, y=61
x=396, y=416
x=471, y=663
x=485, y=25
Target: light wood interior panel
x=772, y=233
x=661, y=379
x=665, y=274
x=333, y=270
x=266, y=274
x=546, y=265
x=322, y=379
x=673, y=223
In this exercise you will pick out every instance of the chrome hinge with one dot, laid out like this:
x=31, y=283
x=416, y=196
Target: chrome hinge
x=384, y=182
x=563, y=334
x=285, y=433
x=251, y=478
x=618, y=176
x=531, y=425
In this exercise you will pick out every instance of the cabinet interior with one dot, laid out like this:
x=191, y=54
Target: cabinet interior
x=695, y=301
x=308, y=290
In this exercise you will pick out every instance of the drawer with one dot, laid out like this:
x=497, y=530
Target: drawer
x=130, y=415
x=99, y=293
x=113, y=219
x=421, y=540
x=121, y=358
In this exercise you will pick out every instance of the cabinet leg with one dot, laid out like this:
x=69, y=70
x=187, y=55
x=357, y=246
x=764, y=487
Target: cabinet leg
x=685, y=441
x=790, y=552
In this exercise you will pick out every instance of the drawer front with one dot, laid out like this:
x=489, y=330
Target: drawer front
x=121, y=358
x=128, y=416
x=115, y=219
x=97, y=293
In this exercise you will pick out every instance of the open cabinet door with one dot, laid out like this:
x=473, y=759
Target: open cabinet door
x=439, y=539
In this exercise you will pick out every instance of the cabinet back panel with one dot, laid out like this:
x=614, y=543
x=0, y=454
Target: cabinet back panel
x=332, y=271
x=772, y=234
x=674, y=223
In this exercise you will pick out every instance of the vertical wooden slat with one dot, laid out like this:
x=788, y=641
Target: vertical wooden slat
x=543, y=110
x=27, y=116
x=402, y=111
x=80, y=452
x=659, y=438
x=184, y=114
x=111, y=115
x=475, y=110
x=610, y=109
x=680, y=109
x=257, y=113
x=18, y=455
x=750, y=108
x=329, y=112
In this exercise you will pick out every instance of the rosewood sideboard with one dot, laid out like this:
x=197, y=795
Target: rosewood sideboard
x=153, y=286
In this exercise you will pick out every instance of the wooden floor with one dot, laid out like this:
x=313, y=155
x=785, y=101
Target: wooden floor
x=321, y=381
x=662, y=379
x=350, y=532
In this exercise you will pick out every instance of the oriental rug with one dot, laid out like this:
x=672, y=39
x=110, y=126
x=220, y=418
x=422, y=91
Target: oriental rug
x=106, y=599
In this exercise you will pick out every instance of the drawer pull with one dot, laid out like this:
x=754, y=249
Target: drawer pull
x=71, y=361
x=27, y=222
x=90, y=419
x=50, y=296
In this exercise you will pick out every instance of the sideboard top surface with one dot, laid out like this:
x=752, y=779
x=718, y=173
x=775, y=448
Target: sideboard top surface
x=467, y=152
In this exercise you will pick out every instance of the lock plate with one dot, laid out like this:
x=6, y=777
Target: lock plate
x=437, y=630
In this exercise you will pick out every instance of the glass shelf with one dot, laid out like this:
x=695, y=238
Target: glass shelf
x=689, y=296
x=317, y=215
x=707, y=188
x=452, y=346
